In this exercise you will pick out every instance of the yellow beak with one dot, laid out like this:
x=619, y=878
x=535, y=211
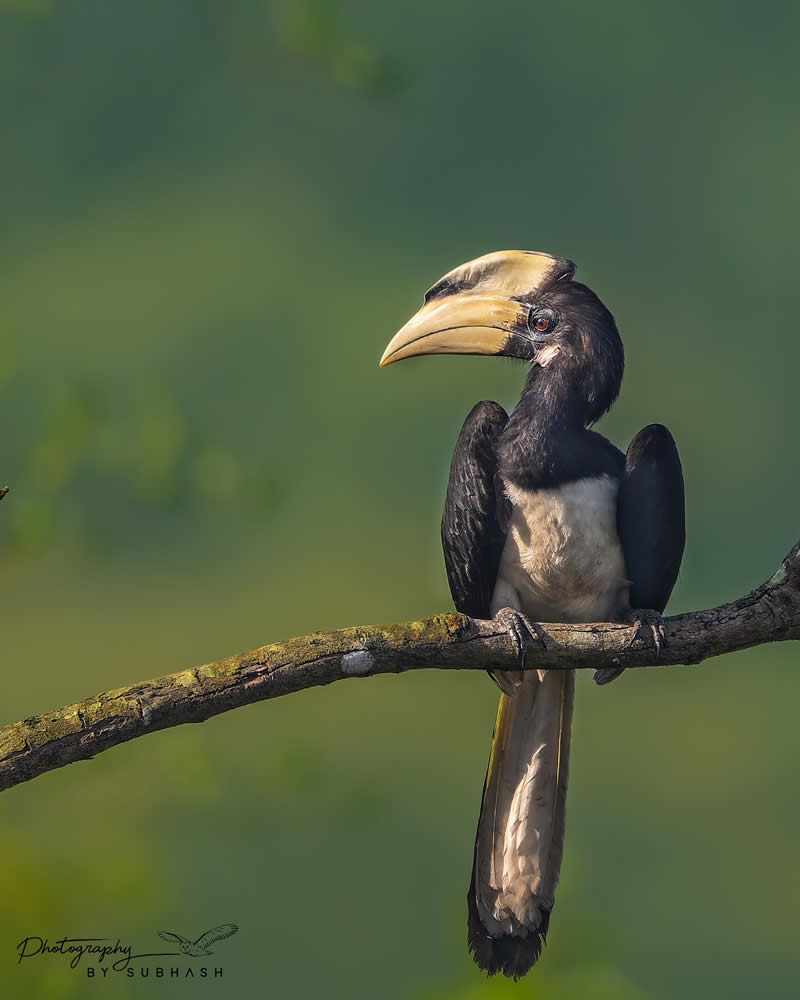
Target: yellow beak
x=465, y=323
x=476, y=308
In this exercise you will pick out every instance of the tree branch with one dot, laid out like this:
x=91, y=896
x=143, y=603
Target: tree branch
x=448, y=641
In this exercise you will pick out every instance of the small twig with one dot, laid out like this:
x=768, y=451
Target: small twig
x=448, y=641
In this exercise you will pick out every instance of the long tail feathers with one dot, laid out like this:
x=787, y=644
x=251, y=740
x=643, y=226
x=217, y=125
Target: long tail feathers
x=520, y=837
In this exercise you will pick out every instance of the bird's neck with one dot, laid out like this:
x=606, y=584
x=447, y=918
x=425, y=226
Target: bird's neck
x=549, y=408
x=546, y=437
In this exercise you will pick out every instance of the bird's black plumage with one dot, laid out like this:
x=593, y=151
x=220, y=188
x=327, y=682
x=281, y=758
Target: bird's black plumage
x=650, y=517
x=650, y=506
x=473, y=531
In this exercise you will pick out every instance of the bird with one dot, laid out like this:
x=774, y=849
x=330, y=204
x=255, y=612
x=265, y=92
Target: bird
x=202, y=946
x=545, y=520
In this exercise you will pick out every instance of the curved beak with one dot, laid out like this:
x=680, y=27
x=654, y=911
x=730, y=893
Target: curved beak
x=464, y=323
x=480, y=307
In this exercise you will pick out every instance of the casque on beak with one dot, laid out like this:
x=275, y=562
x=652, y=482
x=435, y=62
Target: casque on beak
x=480, y=307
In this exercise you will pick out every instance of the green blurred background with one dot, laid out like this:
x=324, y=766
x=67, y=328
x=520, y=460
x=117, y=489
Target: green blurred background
x=214, y=218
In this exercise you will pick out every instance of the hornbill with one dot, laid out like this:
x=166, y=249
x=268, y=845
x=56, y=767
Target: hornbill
x=544, y=520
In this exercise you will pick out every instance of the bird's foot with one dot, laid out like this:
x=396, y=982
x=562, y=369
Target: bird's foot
x=520, y=628
x=639, y=618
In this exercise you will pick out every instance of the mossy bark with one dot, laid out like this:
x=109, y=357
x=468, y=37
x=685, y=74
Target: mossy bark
x=448, y=641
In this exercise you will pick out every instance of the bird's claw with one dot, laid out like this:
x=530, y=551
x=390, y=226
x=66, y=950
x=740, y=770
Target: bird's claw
x=638, y=618
x=654, y=621
x=520, y=628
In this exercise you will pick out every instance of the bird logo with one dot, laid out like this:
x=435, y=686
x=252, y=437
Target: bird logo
x=202, y=945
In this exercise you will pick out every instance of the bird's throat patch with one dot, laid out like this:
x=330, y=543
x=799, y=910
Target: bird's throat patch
x=546, y=355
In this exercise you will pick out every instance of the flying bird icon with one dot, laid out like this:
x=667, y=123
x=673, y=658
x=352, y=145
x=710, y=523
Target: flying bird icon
x=202, y=946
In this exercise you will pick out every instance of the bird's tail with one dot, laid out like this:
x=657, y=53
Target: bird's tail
x=520, y=836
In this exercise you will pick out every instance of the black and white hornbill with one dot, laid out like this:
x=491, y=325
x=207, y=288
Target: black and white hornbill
x=545, y=520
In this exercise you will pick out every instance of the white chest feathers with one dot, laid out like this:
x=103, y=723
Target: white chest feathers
x=563, y=559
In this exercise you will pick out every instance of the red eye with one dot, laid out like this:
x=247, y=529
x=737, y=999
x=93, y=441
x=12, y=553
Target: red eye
x=542, y=320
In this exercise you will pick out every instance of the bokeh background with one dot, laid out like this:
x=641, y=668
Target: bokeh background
x=214, y=216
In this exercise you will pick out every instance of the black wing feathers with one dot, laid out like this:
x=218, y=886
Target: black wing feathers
x=650, y=517
x=473, y=534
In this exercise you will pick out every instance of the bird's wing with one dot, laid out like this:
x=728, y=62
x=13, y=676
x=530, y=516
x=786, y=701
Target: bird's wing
x=473, y=532
x=216, y=934
x=173, y=938
x=650, y=517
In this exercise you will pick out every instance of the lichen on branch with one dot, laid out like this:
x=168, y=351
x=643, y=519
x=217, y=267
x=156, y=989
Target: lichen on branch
x=446, y=642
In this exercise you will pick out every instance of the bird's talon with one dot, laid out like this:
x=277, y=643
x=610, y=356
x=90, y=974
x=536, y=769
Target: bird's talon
x=536, y=632
x=658, y=639
x=635, y=635
x=519, y=627
x=654, y=622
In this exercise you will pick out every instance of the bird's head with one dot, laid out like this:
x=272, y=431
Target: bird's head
x=521, y=304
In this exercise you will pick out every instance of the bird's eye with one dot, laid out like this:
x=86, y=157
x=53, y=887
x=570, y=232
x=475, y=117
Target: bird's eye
x=542, y=321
